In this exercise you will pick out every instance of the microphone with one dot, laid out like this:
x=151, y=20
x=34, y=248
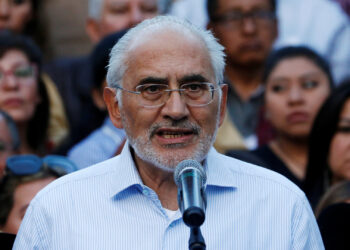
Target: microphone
x=190, y=178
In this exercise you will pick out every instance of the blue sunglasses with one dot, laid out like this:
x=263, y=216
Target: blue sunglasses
x=22, y=165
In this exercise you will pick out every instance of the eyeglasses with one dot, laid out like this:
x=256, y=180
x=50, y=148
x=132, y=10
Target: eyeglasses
x=22, y=165
x=156, y=95
x=235, y=19
x=21, y=73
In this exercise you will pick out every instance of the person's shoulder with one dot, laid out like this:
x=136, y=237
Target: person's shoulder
x=261, y=177
x=73, y=183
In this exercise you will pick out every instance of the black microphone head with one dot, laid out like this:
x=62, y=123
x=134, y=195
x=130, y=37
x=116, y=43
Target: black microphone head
x=187, y=165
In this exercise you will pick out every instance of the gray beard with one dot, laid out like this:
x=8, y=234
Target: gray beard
x=168, y=161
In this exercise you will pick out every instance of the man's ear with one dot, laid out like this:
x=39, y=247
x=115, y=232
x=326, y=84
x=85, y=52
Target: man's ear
x=109, y=96
x=92, y=28
x=224, y=89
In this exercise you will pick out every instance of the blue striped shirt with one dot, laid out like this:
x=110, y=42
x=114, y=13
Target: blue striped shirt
x=106, y=206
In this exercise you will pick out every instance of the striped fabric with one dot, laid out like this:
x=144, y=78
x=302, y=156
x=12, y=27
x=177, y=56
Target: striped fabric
x=107, y=207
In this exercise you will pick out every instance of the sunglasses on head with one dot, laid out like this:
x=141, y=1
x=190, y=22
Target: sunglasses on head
x=22, y=165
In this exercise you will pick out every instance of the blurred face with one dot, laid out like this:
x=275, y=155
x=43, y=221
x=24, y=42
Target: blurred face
x=18, y=86
x=339, y=154
x=295, y=90
x=6, y=146
x=121, y=14
x=247, y=30
x=23, y=194
x=165, y=135
x=15, y=14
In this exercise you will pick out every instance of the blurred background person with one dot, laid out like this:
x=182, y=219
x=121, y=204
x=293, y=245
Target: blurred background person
x=107, y=140
x=21, y=16
x=23, y=94
x=73, y=77
x=25, y=176
x=9, y=139
x=301, y=23
x=297, y=81
x=329, y=150
x=247, y=29
x=109, y=16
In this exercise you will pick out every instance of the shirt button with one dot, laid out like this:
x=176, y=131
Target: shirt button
x=145, y=192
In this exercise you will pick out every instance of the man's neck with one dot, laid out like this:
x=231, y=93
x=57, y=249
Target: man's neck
x=160, y=181
x=244, y=80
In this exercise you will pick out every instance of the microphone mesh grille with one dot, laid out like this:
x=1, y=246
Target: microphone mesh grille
x=188, y=164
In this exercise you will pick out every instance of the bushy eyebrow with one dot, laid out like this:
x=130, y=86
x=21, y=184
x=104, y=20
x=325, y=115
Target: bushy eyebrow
x=152, y=79
x=185, y=79
x=193, y=78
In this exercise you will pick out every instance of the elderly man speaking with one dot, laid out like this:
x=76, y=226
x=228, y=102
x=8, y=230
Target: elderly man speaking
x=164, y=89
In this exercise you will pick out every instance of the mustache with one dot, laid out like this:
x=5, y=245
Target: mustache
x=175, y=124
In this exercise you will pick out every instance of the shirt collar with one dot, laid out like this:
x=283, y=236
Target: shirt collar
x=125, y=172
x=218, y=172
x=126, y=175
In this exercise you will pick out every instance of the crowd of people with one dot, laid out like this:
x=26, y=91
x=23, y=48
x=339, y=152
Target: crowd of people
x=274, y=97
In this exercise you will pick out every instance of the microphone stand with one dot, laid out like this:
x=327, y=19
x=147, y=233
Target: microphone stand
x=196, y=241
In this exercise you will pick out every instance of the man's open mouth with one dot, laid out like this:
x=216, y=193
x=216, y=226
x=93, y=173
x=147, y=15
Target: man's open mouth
x=174, y=134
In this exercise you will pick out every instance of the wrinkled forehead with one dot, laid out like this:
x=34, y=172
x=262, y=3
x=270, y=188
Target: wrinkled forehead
x=164, y=49
x=155, y=36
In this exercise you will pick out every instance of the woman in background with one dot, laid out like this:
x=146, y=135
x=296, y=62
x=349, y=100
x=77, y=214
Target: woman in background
x=329, y=147
x=297, y=81
x=22, y=93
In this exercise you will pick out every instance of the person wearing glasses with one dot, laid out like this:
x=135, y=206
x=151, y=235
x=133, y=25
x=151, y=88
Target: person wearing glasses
x=25, y=176
x=22, y=92
x=247, y=29
x=166, y=91
x=72, y=75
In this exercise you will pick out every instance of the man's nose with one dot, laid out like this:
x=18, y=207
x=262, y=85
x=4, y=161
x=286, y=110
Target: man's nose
x=175, y=107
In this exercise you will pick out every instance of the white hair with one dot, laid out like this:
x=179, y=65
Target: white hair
x=95, y=9
x=119, y=54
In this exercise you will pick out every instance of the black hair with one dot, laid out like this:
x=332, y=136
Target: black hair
x=212, y=6
x=12, y=128
x=100, y=57
x=318, y=173
x=38, y=125
x=288, y=52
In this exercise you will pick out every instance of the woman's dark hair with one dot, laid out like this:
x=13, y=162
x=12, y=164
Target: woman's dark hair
x=37, y=127
x=288, y=52
x=318, y=174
